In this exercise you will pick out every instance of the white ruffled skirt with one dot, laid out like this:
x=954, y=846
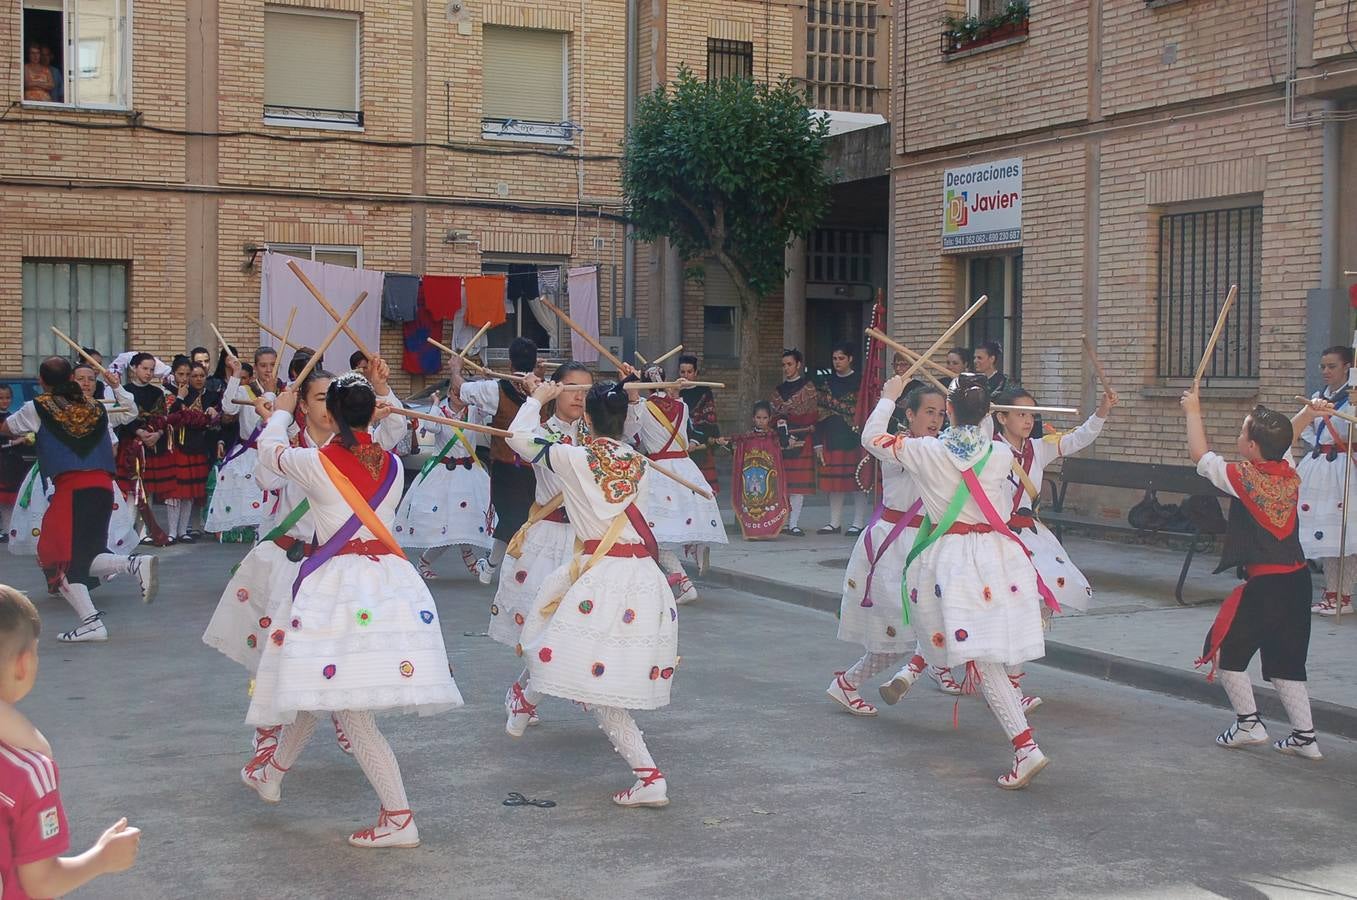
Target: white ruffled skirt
x=677, y=515
x=241, y=623
x=879, y=628
x=362, y=634
x=612, y=641
x=973, y=598
x=450, y=506
x=1067, y=583
x=547, y=547
x=237, y=499
x=1320, y=507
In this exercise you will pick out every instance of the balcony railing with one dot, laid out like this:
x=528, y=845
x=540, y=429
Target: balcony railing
x=970, y=32
x=324, y=118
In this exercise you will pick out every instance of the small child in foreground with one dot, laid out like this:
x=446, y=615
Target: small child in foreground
x=31, y=814
x=1270, y=612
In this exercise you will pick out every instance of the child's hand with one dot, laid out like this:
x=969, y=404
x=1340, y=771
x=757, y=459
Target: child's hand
x=117, y=847
x=1109, y=400
x=286, y=402
x=1320, y=407
x=893, y=388
x=1191, y=402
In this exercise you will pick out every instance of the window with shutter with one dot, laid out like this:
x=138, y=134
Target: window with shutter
x=311, y=69
x=525, y=85
x=86, y=299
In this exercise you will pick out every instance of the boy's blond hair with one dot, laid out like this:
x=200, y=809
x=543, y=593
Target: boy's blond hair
x=20, y=623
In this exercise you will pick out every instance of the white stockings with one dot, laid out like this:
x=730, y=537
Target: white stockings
x=626, y=738
x=1003, y=700
x=1331, y=585
x=1240, y=691
x=797, y=501
x=1296, y=698
x=370, y=748
x=871, y=664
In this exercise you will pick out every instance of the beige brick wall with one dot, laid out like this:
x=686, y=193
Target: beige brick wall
x=1152, y=56
x=1038, y=82
x=1332, y=21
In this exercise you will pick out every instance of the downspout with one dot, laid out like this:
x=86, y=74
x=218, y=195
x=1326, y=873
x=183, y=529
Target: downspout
x=629, y=242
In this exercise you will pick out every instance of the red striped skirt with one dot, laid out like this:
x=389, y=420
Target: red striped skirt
x=798, y=468
x=706, y=463
x=837, y=475
x=190, y=476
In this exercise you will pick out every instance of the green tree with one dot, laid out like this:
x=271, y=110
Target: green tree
x=729, y=170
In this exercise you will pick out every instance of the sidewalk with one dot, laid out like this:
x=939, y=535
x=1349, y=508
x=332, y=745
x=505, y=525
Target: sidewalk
x=1134, y=632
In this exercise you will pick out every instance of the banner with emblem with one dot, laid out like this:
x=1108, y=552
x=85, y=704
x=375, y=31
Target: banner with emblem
x=759, y=490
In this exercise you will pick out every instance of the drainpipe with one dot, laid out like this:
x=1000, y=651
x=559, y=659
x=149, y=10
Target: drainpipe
x=629, y=243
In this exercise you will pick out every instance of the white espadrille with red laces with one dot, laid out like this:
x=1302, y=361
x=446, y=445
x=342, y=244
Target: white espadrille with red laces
x=942, y=677
x=1028, y=760
x=650, y=790
x=266, y=737
x=340, y=737
x=1330, y=608
x=395, y=828
x=426, y=569
x=469, y=560
x=902, y=681
x=520, y=711
x=846, y=695
x=1028, y=703
x=264, y=776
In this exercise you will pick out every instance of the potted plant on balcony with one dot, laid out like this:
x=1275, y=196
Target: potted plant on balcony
x=966, y=32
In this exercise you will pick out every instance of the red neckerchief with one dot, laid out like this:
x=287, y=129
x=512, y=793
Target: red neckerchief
x=364, y=465
x=1025, y=459
x=1269, y=491
x=673, y=411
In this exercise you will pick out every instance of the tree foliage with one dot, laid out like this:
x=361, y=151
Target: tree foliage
x=732, y=169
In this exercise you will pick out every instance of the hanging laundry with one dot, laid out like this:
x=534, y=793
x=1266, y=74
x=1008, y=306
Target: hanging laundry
x=583, y=296
x=400, y=297
x=280, y=290
x=442, y=295
x=485, y=300
x=421, y=357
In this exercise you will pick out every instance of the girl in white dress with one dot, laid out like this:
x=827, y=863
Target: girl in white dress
x=972, y=592
x=237, y=500
x=870, y=612
x=448, y=502
x=362, y=633
x=1322, y=470
x=1069, y=586
x=680, y=518
x=608, y=634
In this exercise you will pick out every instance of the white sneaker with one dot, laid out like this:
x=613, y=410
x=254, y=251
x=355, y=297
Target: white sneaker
x=340, y=737
x=263, y=776
x=899, y=685
x=942, y=677
x=687, y=592
x=1329, y=608
x=394, y=828
x=1028, y=760
x=89, y=631
x=1244, y=731
x=846, y=695
x=521, y=713
x=485, y=570
x=145, y=568
x=1299, y=743
x=650, y=790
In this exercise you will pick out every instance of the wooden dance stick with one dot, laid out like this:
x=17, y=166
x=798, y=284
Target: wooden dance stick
x=1215, y=336
x=706, y=495
x=906, y=352
x=329, y=339
x=444, y=420
x=641, y=359
x=1337, y=414
x=287, y=329
x=222, y=340
x=928, y=376
x=663, y=356
x=946, y=336
x=662, y=385
x=269, y=331
x=1097, y=364
x=80, y=350
x=466, y=348
x=588, y=338
x=474, y=366
x=1047, y=410
x=334, y=313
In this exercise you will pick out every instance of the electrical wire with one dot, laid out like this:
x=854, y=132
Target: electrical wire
x=135, y=122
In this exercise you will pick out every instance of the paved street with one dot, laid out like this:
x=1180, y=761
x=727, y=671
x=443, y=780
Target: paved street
x=775, y=792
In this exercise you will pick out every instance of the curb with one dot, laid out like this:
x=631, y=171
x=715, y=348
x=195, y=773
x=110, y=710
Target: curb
x=1329, y=718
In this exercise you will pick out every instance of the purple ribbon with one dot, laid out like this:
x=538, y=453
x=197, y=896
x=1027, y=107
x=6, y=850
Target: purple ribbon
x=247, y=444
x=874, y=557
x=328, y=550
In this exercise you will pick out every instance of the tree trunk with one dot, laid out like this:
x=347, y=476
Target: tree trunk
x=747, y=387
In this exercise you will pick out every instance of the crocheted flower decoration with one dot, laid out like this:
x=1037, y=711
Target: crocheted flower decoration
x=277, y=638
x=667, y=672
x=913, y=595
x=407, y=669
x=890, y=631
x=296, y=623
x=961, y=635
x=494, y=610
x=938, y=639
x=518, y=618
x=242, y=595
x=251, y=642
x=629, y=616
x=426, y=616
x=937, y=591
x=597, y=670
x=544, y=654
x=654, y=673
x=586, y=606
x=364, y=617
x=521, y=576
x=988, y=595
x=1060, y=582
x=265, y=622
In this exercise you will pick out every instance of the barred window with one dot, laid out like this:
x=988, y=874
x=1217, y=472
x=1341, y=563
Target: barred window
x=87, y=300
x=729, y=59
x=1000, y=319
x=839, y=255
x=1200, y=255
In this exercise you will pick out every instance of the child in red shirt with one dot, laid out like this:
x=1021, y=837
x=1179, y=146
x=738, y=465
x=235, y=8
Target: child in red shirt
x=33, y=829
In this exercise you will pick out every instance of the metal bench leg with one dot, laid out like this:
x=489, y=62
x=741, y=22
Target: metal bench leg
x=1182, y=576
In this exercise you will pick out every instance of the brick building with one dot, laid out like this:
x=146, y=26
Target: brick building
x=177, y=138
x=1110, y=168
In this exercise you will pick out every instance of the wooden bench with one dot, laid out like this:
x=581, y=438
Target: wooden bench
x=1133, y=476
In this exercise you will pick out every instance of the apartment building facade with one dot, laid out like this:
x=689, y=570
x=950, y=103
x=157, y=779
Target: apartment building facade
x=1108, y=168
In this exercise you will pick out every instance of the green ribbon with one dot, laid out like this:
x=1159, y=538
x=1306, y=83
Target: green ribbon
x=28, y=486
x=928, y=533
x=441, y=454
x=289, y=520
